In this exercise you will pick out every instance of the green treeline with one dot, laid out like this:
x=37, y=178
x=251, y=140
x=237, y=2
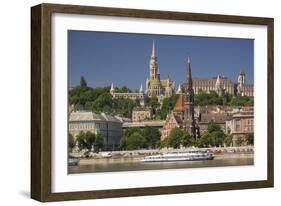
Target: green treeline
x=213, y=137
x=99, y=99
x=150, y=138
x=86, y=140
x=167, y=105
x=212, y=98
x=136, y=138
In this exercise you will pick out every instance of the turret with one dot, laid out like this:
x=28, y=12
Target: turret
x=111, y=89
x=179, y=89
x=141, y=89
x=218, y=82
x=153, y=65
x=241, y=78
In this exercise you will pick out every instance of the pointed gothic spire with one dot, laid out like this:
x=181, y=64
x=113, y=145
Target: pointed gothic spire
x=141, y=89
x=179, y=89
x=189, y=77
x=112, y=88
x=153, y=49
x=218, y=81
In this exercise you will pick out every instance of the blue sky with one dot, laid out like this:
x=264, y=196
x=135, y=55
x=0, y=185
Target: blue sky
x=123, y=59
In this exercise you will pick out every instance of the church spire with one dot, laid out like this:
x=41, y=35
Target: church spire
x=189, y=77
x=179, y=89
x=112, y=88
x=141, y=89
x=189, y=120
x=153, y=50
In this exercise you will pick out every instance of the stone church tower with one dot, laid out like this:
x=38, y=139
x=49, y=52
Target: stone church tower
x=155, y=86
x=188, y=117
x=153, y=65
x=241, y=79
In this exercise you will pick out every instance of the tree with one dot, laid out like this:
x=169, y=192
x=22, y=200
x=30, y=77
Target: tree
x=214, y=136
x=71, y=141
x=86, y=140
x=240, y=141
x=102, y=101
x=203, y=98
x=218, y=138
x=211, y=98
x=99, y=99
x=152, y=136
x=153, y=102
x=123, y=89
x=228, y=141
x=250, y=139
x=124, y=106
x=175, y=138
x=132, y=130
x=205, y=140
x=99, y=141
x=167, y=105
x=242, y=101
x=187, y=140
x=212, y=127
x=164, y=143
x=83, y=82
x=133, y=141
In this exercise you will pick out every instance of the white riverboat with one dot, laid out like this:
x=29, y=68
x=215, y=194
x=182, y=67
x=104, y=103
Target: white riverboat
x=73, y=161
x=179, y=156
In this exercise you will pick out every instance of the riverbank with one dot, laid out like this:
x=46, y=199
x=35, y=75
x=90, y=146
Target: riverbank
x=88, y=165
x=139, y=154
x=218, y=156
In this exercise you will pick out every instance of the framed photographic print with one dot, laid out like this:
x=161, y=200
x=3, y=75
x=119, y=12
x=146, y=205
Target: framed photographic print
x=130, y=102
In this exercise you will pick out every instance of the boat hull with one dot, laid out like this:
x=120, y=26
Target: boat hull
x=73, y=162
x=178, y=159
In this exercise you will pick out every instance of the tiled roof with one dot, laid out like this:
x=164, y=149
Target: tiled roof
x=178, y=119
x=179, y=107
x=91, y=116
x=215, y=117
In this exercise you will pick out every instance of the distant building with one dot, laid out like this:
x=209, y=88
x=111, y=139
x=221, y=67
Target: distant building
x=154, y=85
x=151, y=123
x=172, y=121
x=217, y=84
x=241, y=124
x=244, y=89
x=221, y=85
x=75, y=108
x=221, y=109
x=141, y=114
x=108, y=126
x=218, y=118
x=129, y=95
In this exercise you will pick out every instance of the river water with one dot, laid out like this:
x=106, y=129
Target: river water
x=114, y=165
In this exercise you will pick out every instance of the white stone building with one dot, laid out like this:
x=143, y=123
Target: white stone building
x=141, y=114
x=108, y=126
